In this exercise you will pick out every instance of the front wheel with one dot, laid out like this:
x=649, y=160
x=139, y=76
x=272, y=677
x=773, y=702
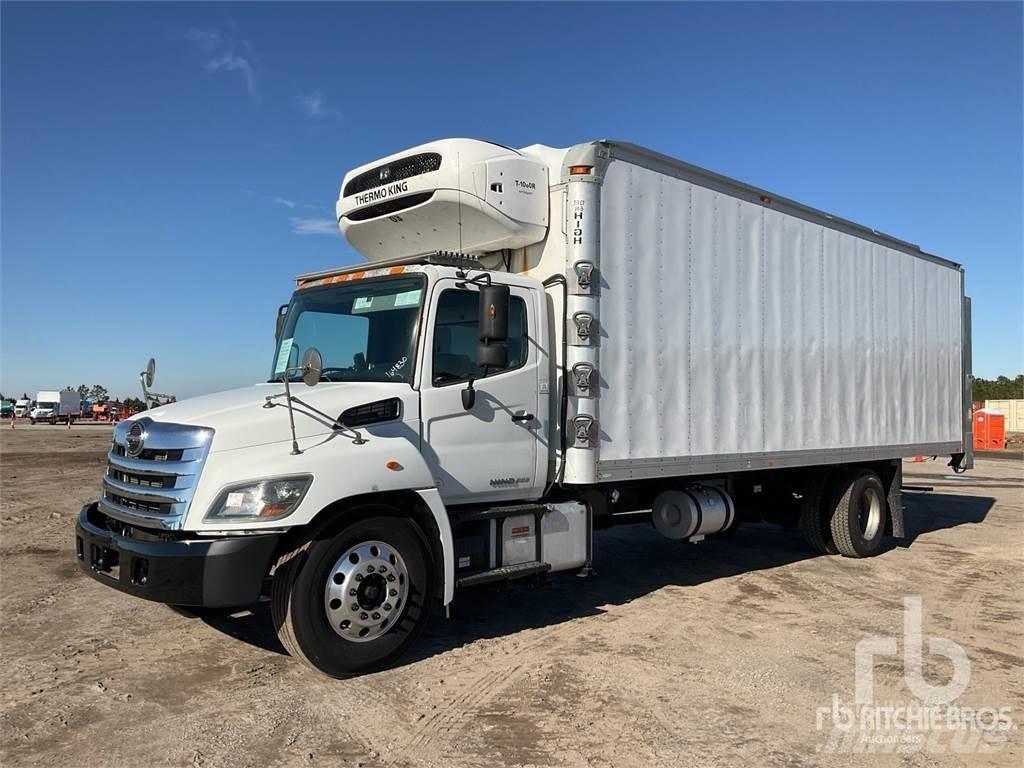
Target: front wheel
x=352, y=599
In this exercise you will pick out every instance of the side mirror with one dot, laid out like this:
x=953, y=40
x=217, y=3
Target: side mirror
x=468, y=397
x=282, y=312
x=494, y=313
x=150, y=372
x=312, y=367
x=492, y=351
x=493, y=355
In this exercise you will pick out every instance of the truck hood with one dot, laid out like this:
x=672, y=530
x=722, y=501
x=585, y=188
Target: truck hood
x=240, y=420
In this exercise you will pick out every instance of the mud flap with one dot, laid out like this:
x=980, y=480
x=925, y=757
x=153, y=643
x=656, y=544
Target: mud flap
x=896, y=500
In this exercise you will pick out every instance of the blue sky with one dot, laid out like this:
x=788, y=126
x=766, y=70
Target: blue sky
x=167, y=169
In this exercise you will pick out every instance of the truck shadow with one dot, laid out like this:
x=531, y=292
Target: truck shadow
x=631, y=561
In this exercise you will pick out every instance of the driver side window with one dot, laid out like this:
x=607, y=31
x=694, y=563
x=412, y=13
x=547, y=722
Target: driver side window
x=456, y=335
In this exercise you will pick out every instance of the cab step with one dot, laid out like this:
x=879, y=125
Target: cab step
x=505, y=573
x=498, y=513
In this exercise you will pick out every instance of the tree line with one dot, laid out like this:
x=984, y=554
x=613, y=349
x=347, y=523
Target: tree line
x=1001, y=388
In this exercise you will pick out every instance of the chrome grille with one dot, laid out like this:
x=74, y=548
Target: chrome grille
x=155, y=487
x=151, y=455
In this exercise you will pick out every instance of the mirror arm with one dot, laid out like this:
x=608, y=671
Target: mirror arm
x=335, y=424
x=481, y=279
x=291, y=415
x=310, y=369
x=150, y=398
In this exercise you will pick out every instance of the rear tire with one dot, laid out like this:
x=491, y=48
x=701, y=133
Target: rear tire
x=314, y=582
x=859, y=520
x=816, y=514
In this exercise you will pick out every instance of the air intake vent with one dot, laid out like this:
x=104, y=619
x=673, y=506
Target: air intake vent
x=389, y=206
x=405, y=168
x=372, y=413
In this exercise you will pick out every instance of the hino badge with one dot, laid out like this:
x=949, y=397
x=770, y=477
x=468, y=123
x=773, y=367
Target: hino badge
x=542, y=342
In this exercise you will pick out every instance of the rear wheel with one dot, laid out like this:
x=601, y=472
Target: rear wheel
x=816, y=513
x=858, y=523
x=352, y=600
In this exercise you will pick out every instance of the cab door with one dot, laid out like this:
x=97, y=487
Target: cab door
x=489, y=452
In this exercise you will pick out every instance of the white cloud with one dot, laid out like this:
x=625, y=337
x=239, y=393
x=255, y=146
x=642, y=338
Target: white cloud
x=283, y=201
x=314, y=226
x=229, y=62
x=207, y=39
x=312, y=104
x=220, y=54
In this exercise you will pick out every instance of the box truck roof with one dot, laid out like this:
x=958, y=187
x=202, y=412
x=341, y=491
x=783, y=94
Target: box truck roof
x=670, y=166
x=477, y=197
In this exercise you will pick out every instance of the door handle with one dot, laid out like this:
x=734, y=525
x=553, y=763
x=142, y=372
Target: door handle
x=522, y=416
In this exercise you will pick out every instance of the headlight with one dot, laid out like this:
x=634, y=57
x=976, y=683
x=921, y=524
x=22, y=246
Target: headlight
x=260, y=500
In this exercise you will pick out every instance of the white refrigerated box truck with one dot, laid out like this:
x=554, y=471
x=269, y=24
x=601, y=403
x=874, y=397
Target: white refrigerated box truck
x=56, y=405
x=542, y=342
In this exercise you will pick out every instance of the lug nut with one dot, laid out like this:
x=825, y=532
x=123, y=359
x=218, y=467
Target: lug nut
x=363, y=616
x=393, y=592
x=387, y=606
x=359, y=577
x=352, y=593
x=376, y=616
x=369, y=569
x=383, y=569
x=355, y=606
x=391, y=577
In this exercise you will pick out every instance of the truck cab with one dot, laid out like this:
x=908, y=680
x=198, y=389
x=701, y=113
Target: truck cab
x=411, y=333
x=47, y=407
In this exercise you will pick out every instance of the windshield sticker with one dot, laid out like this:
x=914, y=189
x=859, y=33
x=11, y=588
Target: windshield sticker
x=398, y=366
x=408, y=298
x=282, y=356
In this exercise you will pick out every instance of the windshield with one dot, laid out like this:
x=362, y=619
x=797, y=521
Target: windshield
x=365, y=331
x=47, y=405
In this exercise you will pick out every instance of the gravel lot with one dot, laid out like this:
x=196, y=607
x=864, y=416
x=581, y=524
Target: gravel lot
x=716, y=654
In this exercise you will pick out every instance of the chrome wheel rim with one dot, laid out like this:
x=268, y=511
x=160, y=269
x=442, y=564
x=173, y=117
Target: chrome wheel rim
x=870, y=513
x=366, y=591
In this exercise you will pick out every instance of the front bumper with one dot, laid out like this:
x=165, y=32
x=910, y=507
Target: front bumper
x=213, y=572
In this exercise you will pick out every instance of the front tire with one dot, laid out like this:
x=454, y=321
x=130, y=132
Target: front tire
x=354, y=597
x=858, y=523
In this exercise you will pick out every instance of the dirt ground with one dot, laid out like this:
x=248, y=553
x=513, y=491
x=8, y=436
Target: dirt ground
x=717, y=654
